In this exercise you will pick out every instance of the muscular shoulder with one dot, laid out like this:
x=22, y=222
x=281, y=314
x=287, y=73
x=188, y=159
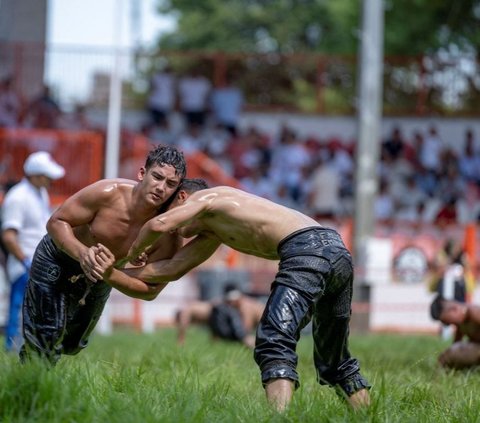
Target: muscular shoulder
x=106, y=189
x=216, y=196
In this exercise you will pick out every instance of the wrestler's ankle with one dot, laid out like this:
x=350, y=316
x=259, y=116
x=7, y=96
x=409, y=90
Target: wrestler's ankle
x=279, y=393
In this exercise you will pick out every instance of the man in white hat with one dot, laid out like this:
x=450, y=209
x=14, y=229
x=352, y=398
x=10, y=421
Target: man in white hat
x=26, y=210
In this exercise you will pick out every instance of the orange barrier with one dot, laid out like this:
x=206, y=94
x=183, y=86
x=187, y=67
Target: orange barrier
x=80, y=152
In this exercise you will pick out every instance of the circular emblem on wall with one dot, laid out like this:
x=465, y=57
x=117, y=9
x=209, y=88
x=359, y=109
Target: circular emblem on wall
x=410, y=265
x=53, y=273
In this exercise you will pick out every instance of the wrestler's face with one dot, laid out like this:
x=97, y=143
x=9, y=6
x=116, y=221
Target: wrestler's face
x=158, y=183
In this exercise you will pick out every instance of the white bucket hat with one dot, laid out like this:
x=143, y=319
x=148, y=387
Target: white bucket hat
x=42, y=163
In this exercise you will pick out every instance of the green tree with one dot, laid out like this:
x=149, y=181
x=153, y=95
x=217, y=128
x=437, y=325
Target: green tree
x=324, y=26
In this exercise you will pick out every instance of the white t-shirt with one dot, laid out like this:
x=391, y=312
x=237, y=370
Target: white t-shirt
x=26, y=209
x=194, y=92
x=162, y=96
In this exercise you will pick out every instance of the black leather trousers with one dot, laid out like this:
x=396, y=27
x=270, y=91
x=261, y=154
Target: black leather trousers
x=58, y=314
x=314, y=283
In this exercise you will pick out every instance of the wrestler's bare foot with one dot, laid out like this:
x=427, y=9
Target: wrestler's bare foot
x=279, y=393
x=359, y=399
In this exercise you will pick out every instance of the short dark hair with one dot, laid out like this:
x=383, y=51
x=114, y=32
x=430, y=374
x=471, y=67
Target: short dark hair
x=436, y=307
x=193, y=184
x=167, y=155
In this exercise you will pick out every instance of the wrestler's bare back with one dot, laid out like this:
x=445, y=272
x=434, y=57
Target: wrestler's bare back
x=245, y=222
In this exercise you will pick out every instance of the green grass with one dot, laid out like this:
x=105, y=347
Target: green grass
x=130, y=377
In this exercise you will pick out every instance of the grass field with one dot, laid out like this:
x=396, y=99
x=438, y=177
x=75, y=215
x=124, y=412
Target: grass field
x=130, y=377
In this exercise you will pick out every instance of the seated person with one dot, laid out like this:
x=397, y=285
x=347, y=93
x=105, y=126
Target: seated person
x=234, y=318
x=193, y=312
x=465, y=350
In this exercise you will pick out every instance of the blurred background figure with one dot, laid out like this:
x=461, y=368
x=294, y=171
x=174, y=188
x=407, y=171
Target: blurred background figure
x=227, y=104
x=465, y=350
x=162, y=97
x=452, y=276
x=43, y=111
x=236, y=317
x=197, y=312
x=233, y=318
x=26, y=209
x=10, y=104
x=194, y=93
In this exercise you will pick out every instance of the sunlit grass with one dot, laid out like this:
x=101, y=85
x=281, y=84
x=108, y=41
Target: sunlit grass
x=130, y=377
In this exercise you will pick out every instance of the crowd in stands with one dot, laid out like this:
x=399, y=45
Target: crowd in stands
x=421, y=180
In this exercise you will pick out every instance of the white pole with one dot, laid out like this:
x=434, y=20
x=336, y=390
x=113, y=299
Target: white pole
x=369, y=114
x=112, y=154
x=115, y=100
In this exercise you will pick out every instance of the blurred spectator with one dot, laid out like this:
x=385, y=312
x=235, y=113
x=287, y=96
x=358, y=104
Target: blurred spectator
x=43, y=111
x=469, y=162
x=289, y=160
x=76, y=120
x=10, y=104
x=249, y=151
x=452, y=261
x=430, y=151
x=227, y=104
x=384, y=205
x=465, y=351
x=192, y=139
x=324, y=189
x=26, y=209
x=162, y=97
x=395, y=144
x=451, y=184
x=447, y=215
x=194, y=312
x=258, y=183
x=232, y=318
x=194, y=91
x=236, y=317
x=158, y=134
x=408, y=197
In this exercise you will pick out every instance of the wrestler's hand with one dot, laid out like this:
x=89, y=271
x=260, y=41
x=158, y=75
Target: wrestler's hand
x=136, y=261
x=141, y=260
x=137, y=257
x=105, y=259
x=89, y=264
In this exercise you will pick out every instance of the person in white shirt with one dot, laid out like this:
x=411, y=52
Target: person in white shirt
x=194, y=92
x=227, y=104
x=26, y=210
x=162, y=98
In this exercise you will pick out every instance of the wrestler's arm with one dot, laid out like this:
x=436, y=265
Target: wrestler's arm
x=168, y=221
x=142, y=282
x=77, y=210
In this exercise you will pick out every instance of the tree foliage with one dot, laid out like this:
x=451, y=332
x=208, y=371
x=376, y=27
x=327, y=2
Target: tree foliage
x=323, y=26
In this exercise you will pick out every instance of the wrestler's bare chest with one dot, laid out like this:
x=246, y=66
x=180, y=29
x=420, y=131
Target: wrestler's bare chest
x=112, y=228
